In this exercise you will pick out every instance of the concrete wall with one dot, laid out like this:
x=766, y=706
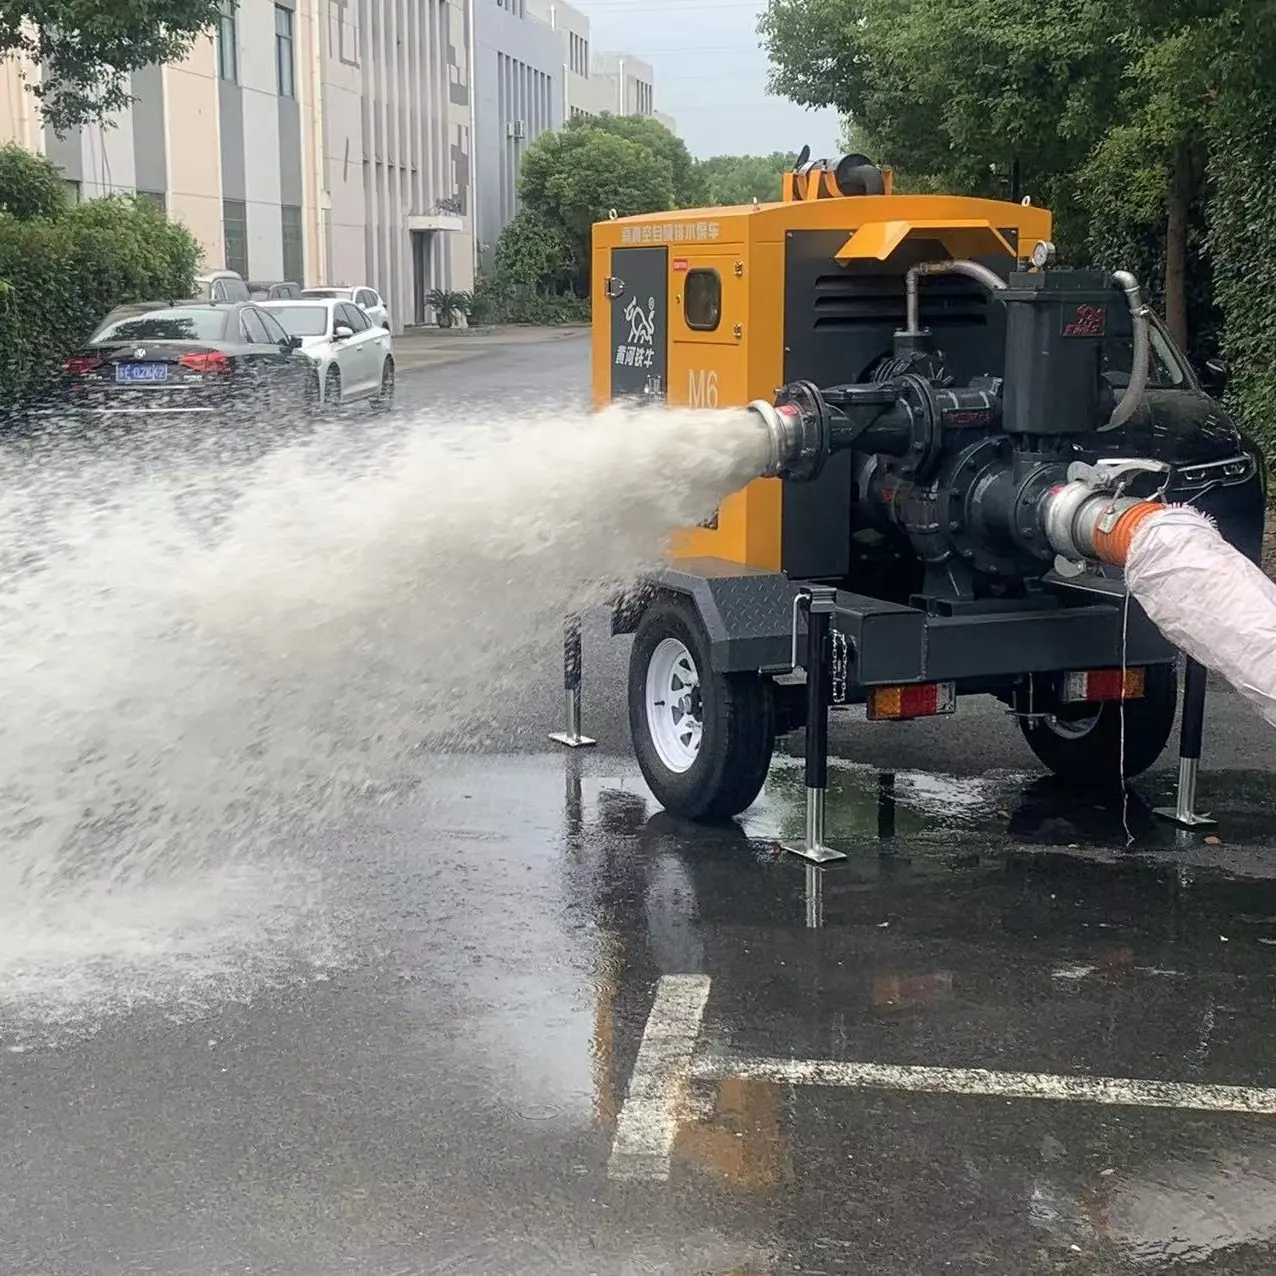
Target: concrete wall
x=519, y=64
x=629, y=83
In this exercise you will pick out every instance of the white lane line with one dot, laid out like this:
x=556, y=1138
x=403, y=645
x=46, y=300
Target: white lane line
x=648, y=1120
x=1118, y=1091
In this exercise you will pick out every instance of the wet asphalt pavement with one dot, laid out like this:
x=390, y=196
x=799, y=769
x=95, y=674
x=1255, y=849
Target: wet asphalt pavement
x=443, y=1095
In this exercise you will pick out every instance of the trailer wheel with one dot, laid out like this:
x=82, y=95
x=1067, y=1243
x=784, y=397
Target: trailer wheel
x=703, y=740
x=1086, y=745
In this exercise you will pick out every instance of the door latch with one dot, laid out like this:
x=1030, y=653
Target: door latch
x=614, y=287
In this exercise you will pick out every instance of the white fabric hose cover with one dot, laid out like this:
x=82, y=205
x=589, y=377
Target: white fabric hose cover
x=1208, y=599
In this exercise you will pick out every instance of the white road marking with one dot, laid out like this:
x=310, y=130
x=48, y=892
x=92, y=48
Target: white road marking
x=648, y=1121
x=1119, y=1091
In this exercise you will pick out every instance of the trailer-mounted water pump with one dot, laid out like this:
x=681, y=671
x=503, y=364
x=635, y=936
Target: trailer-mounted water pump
x=956, y=423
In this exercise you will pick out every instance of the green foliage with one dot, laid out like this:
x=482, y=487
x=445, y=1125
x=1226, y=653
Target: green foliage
x=574, y=178
x=497, y=301
x=446, y=305
x=1147, y=127
x=689, y=190
x=740, y=179
x=60, y=275
x=1242, y=247
x=88, y=48
x=30, y=185
x=536, y=253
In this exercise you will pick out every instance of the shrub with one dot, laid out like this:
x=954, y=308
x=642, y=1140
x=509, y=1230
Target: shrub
x=62, y=270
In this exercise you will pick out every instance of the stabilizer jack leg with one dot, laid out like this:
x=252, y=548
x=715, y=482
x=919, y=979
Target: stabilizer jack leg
x=1184, y=812
x=819, y=611
x=572, y=662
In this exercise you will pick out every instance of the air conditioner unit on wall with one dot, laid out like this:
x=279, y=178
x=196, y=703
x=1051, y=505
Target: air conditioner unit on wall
x=516, y=128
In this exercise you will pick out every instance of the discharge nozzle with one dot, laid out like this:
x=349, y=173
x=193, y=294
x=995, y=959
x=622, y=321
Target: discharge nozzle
x=806, y=426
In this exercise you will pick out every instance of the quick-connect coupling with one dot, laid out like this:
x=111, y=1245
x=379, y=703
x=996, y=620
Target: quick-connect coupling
x=1089, y=519
x=1083, y=525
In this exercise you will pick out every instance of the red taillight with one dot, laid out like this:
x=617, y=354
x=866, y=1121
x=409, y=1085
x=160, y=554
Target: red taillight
x=78, y=364
x=213, y=361
x=1103, y=684
x=920, y=700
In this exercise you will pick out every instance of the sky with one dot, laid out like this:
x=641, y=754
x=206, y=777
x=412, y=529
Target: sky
x=711, y=74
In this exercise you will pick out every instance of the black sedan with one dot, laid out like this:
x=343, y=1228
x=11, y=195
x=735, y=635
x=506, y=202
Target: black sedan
x=189, y=358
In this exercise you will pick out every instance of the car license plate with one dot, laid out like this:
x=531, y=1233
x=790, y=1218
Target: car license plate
x=141, y=372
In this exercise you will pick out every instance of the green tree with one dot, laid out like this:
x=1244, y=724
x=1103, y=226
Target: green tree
x=88, y=48
x=535, y=254
x=689, y=189
x=573, y=179
x=956, y=93
x=30, y=185
x=740, y=179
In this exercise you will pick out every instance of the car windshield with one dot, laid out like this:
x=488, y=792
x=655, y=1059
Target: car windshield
x=185, y=324
x=302, y=321
x=1165, y=368
x=326, y=292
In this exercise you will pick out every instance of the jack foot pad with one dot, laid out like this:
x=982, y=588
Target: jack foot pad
x=1185, y=819
x=817, y=854
x=571, y=741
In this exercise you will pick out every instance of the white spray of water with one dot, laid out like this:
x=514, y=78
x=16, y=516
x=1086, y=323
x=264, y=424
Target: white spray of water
x=182, y=705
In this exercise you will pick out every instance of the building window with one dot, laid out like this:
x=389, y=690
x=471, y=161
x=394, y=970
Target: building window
x=294, y=250
x=72, y=190
x=228, y=43
x=155, y=198
x=283, y=52
x=235, y=230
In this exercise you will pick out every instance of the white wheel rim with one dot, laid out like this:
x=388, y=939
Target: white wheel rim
x=673, y=705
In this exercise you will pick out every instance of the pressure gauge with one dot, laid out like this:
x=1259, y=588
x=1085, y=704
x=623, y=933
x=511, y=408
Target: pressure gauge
x=1043, y=254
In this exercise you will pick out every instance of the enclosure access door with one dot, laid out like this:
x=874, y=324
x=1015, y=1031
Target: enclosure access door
x=638, y=293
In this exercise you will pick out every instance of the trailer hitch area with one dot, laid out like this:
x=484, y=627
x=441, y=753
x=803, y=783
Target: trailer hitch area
x=1092, y=502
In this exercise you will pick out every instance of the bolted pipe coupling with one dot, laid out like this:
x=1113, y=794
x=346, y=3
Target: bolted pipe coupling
x=798, y=432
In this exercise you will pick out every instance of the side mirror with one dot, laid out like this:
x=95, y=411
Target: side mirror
x=341, y=332
x=1215, y=376
x=294, y=343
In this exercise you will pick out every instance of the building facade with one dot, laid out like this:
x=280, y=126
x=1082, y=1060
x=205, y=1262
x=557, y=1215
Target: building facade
x=582, y=94
x=519, y=95
x=324, y=141
x=396, y=199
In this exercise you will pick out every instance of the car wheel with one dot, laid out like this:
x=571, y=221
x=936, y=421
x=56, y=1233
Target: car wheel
x=1084, y=744
x=703, y=740
x=332, y=389
x=383, y=400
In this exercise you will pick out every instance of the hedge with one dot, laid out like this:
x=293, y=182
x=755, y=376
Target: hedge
x=62, y=271
x=1242, y=245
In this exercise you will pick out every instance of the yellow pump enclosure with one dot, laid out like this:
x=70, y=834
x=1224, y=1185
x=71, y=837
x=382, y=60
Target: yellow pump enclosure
x=714, y=307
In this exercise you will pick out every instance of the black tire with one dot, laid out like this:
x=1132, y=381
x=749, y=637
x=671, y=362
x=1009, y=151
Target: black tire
x=737, y=717
x=332, y=389
x=383, y=400
x=1084, y=746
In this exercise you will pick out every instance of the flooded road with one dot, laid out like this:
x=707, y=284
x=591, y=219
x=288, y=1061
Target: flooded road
x=438, y=1081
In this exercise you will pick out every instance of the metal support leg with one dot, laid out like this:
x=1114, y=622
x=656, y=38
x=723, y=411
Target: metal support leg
x=814, y=897
x=572, y=737
x=1183, y=813
x=818, y=618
